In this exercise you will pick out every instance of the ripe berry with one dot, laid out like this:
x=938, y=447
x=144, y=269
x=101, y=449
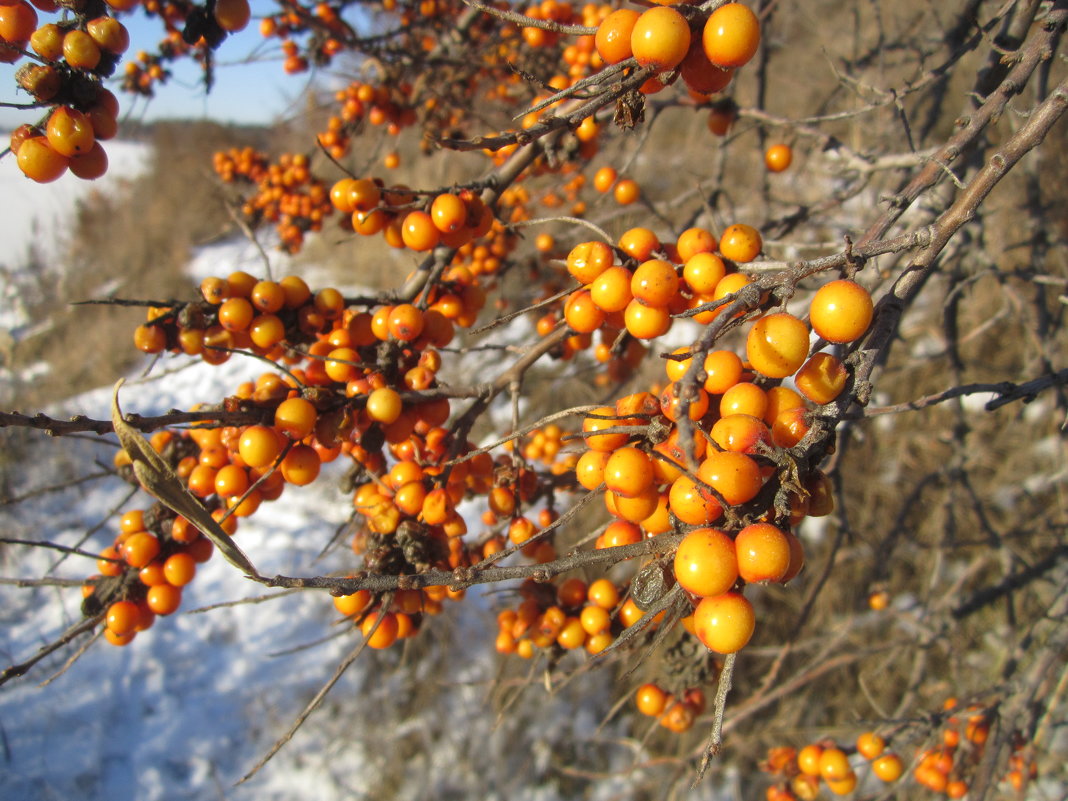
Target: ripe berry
x=731, y=35
x=705, y=562
x=841, y=311
x=724, y=623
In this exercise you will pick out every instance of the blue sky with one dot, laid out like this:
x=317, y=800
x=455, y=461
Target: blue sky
x=244, y=92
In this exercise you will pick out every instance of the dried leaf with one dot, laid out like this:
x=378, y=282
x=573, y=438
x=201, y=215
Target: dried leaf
x=159, y=481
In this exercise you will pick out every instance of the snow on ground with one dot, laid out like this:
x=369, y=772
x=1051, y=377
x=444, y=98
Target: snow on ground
x=34, y=212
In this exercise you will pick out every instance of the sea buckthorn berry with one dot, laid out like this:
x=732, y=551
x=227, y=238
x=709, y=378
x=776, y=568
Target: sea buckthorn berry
x=700, y=74
x=724, y=623
x=639, y=243
x=660, y=38
x=777, y=345
x=834, y=765
x=80, y=51
x=627, y=191
x=888, y=767
x=405, y=322
x=301, y=465
x=39, y=161
x=448, y=212
x=822, y=378
x=870, y=745
x=843, y=786
x=47, y=41
x=735, y=476
x=589, y=470
x=703, y=271
x=236, y=314
x=587, y=260
x=706, y=563
x=232, y=15
x=122, y=617
x=581, y=313
x=231, y=480
x=778, y=157
x=692, y=503
x=595, y=620
x=140, y=548
x=646, y=322
x=164, y=599
x=110, y=34
x=613, y=37
x=763, y=553
x=789, y=428
x=740, y=243
x=179, y=569
x=628, y=472
x=605, y=177
x=620, y=532
x=69, y=132
x=742, y=433
x=841, y=311
x=384, y=405
x=605, y=418
x=611, y=289
x=650, y=700
x=655, y=282
x=295, y=417
x=380, y=629
x=723, y=369
x=418, y=231
x=353, y=604
x=89, y=166
x=671, y=404
x=18, y=20
x=603, y=593
x=296, y=290
x=797, y=557
x=731, y=35
x=259, y=446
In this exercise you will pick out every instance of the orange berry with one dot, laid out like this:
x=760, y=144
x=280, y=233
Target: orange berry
x=870, y=745
x=660, y=38
x=655, y=282
x=646, y=322
x=386, y=632
x=259, y=446
x=834, y=765
x=613, y=37
x=841, y=311
x=735, y=476
x=179, y=569
x=822, y=378
x=731, y=35
x=39, y=161
x=763, y=553
x=705, y=562
x=650, y=700
x=740, y=243
x=628, y=472
x=777, y=345
x=778, y=157
x=627, y=191
x=724, y=623
x=888, y=767
x=164, y=599
x=122, y=617
x=611, y=289
x=808, y=759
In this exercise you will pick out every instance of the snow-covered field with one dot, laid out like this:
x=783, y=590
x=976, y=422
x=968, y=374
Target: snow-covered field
x=192, y=704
